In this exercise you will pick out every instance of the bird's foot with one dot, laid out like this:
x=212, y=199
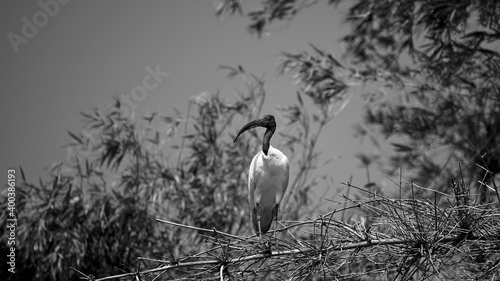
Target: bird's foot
x=267, y=248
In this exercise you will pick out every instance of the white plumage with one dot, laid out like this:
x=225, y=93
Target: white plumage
x=267, y=177
x=267, y=183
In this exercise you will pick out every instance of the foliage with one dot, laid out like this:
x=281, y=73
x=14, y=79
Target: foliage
x=437, y=71
x=449, y=108
x=382, y=239
x=96, y=212
x=272, y=11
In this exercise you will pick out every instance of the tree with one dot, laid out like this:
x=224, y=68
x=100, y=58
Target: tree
x=97, y=211
x=438, y=72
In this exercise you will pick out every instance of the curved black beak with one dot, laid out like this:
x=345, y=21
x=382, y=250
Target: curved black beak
x=251, y=125
x=266, y=121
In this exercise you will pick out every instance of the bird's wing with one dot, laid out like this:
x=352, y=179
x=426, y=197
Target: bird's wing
x=252, y=181
x=282, y=174
x=287, y=175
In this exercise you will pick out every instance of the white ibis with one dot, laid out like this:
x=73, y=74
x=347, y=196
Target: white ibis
x=267, y=177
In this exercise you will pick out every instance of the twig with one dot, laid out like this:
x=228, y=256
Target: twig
x=202, y=229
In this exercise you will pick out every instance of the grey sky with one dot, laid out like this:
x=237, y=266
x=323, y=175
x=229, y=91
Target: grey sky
x=88, y=50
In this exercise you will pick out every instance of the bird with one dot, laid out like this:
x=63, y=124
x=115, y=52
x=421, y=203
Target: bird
x=267, y=178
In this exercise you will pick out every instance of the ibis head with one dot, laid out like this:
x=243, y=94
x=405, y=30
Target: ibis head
x=266, y=121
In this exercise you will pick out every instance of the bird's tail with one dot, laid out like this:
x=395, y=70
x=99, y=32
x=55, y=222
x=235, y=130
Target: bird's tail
x=266, y=219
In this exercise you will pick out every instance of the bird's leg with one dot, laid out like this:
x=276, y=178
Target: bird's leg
x=276, y=224
x=258, y=222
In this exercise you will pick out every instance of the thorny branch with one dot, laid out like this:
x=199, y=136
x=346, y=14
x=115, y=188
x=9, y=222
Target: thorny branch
x=408, y=239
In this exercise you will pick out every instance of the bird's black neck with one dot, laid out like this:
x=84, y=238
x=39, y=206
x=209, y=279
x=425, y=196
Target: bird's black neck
x=267, y=141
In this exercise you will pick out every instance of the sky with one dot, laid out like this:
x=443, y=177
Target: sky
x=63, y=57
